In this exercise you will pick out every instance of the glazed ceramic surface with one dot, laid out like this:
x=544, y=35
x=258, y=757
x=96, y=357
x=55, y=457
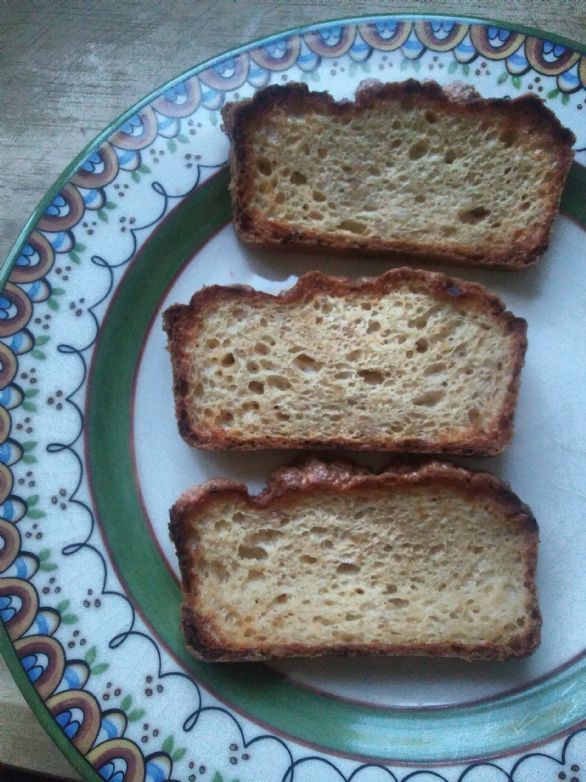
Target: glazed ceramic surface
x=91, y=459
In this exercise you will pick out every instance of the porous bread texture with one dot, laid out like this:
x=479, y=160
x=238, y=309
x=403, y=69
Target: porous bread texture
x=409, y=168
x=408, y=361
x=335, y=560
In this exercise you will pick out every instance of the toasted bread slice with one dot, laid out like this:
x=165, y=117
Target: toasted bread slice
x=333, y=559
x=408, y=168
x=408, y=361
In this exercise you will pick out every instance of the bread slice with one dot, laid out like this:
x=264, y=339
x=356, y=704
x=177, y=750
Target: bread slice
x=408, y=168
x=408, y=361
x=333, y=559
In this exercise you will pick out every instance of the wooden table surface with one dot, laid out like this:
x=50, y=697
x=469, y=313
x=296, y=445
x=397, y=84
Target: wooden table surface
x=68, y=68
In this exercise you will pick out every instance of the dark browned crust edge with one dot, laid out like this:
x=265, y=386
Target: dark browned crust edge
x=181, y=322
x=313, y=475
x=256, y=230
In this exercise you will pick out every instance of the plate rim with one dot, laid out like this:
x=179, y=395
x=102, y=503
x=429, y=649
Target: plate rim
x=75, y=757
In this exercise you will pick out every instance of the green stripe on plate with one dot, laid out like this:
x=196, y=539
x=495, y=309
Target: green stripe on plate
x=409, y=735
x=574, y=195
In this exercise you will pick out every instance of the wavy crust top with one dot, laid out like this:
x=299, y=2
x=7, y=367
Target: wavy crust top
x=298, y=97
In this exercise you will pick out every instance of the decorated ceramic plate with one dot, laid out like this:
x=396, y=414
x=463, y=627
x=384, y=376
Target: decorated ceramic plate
x=91, y=459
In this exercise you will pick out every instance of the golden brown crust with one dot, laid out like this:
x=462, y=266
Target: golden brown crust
x=181, y=322
x=312, y=475
x=253, y=228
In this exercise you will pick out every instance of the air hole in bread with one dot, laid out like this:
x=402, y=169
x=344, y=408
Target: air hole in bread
x=353, y=226
x=371, y=376
x=264, y=537
x=308, y=559
x=419, y=149
x=251, y=552
x=256, y=387
x=474, y=215
x=429, y=398
x=306, y=363
x=418, y=323
x=297, y=178
x=264, y=166
x=277, y=381
x=347, y=567
x=450, y=155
